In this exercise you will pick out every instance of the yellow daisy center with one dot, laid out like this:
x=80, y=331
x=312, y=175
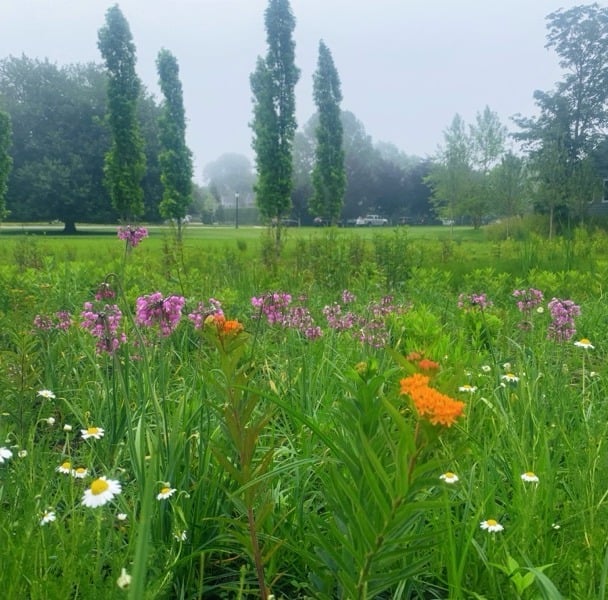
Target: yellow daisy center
x=165, y=490
x=530, y=474
x=585, y=342
x=92, y=430
x=80, y=470
x=99, y=486
x=66, y=465
x=448, y=475
x=491, y=522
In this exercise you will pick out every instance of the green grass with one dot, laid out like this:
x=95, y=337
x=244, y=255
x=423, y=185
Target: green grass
x=298, y=466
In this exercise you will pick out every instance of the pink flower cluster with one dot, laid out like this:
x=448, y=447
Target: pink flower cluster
x=528, y=299
x=470, y=301
x=61, y=320
x=154, y=310
x=104, y=292
x=202, y=311
x=338, y=321
x=132, y=235
x=104, y=324
x=563, y=312
x=277, y=308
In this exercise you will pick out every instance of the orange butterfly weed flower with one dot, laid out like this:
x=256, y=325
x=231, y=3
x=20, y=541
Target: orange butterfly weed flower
x=427, y=365
x=438, y=408
x=224, y=326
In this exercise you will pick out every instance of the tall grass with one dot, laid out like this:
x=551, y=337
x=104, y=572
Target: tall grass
x=284, y=458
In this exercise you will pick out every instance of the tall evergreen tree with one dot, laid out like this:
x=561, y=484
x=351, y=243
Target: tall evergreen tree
x=125, y=161
x=175, y=156
x=274, y=123
x=5, y=159
x=328, y=176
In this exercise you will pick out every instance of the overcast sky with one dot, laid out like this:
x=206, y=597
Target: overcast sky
x=406, y=66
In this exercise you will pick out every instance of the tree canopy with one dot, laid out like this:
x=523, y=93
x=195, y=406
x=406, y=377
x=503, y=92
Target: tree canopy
x=175, y=157
x=328, y=175
x=6, y=162
x=125, y=161
x=274, y=121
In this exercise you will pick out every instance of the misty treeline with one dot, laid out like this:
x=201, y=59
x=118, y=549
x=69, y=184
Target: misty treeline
x=55, y=136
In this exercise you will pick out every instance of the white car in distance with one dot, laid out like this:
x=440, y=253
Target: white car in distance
x=371, y=220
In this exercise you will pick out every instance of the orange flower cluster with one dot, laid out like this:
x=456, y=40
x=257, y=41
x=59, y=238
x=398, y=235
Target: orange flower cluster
x=426, y=365
x=224, y=326
x=438, y=408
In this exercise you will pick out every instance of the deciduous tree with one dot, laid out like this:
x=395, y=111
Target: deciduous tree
x=5, y=159
x=274, y=121
x=573, y=118
x=175, y=157
x=57, y=116
x=328, y=175
x=125, y=161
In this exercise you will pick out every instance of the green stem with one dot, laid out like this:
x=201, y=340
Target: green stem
x=257, y=555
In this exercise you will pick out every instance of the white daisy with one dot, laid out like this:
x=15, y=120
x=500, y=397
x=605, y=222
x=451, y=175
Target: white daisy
x=65, y=468
x=510, y=377
x=46, y=394
x=50, y=421
x=80, y=472
x=181, y=536
x=48, y=517
x=530, y=477
x=22, y=453
x=449, y=477
x=100, y=492
x=584, y=343
x=121, y=516
x=92, y=432
x=486, y=368
x=124, y=580
x=67, y=427
x=165, y=492
x=467, y=388
x=491, y=525
x=5, y=454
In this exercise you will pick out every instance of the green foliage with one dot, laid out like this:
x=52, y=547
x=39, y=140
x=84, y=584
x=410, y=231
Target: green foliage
x=298, y=458
x=175, y=157
x=274, y=122
x=57, y=163
x=328, y=175
x=6, y=162
x=125, y=161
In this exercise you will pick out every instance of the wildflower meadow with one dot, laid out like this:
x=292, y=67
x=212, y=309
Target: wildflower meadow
x=362, y=417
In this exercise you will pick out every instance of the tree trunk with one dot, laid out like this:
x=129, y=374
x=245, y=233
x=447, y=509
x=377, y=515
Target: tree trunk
x=69, y=227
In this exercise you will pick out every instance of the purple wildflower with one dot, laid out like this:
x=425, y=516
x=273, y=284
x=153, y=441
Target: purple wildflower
x=472, y=301
x=104, y=292
x=528, y=299
x=61, y=320
x=155, y=310
x=104, y=325
x=202, y=311
x=563, y=312
x=348, y=297
x=132, y=235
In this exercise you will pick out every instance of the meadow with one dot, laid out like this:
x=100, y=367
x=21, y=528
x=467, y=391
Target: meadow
x=411, y=413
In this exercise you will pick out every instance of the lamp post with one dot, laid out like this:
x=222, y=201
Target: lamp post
x=236, y=212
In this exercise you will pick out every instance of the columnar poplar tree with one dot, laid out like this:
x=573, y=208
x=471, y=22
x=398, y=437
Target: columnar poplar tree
x=274, y=122
x=175, y=157
x=328, y=176
x=125, y=162
x=5, y=159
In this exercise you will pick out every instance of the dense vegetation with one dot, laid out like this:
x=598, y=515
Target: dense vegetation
x=295, y=444
x=558, y=168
